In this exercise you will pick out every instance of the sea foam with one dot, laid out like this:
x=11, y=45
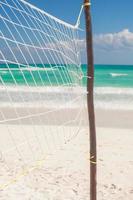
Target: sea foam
x=105, y=97
x=117, y=74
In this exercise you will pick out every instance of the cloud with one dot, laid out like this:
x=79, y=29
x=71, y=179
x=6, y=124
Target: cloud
x=111, y=48
x=108, y=48
x=114, y=41
x=122, y=40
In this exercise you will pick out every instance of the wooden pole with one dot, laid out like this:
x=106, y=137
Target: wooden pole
x=90, y=102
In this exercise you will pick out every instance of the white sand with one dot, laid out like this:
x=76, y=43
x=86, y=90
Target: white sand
x=64, y=173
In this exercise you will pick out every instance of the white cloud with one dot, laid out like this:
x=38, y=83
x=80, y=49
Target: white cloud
x=112, y=48
x=109, y=48
x=114, y=41
x=111, y=41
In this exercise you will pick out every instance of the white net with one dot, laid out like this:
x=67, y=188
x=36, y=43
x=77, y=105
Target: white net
x=41, y=96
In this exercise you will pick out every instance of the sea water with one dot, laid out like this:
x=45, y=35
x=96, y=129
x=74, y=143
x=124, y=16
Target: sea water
x=113, y=83
x=113, y=86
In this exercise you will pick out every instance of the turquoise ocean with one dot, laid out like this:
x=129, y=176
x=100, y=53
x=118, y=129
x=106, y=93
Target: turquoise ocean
x=113, y=83
x=120, y=76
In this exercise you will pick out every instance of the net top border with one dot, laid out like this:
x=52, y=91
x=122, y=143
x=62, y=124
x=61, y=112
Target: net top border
x=49, y=15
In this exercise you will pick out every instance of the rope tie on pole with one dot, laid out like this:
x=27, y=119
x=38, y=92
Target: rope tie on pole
x=91, y=161
x=87, y=4
x=80, y=13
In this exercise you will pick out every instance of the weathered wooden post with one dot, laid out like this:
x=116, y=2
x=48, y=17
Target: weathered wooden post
x=90, y=102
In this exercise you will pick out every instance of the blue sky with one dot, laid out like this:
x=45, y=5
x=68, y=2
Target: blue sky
x=108, y=16
x=112, y=26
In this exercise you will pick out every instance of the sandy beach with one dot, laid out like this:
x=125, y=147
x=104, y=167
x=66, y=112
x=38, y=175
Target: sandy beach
x=54, y=163
x=52, y=66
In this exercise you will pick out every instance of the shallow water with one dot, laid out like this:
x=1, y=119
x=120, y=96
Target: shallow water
x=113, y=85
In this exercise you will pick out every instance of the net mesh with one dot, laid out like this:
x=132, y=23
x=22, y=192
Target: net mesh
x=41, y=95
